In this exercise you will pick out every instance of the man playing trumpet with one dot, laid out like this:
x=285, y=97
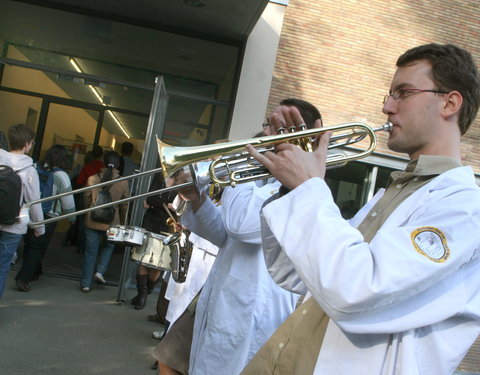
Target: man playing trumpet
x=396, y=290
x=240, y=306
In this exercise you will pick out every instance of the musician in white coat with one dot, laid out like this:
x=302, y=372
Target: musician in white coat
x=240, y=305
x=173, y=352
x=401, y=281
x=181, y=295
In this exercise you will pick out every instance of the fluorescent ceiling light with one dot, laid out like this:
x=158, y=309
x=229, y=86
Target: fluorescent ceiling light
x=77, y=68
x=100, y=99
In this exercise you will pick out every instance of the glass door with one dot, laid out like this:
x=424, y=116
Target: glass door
x=72, y=127
x=17, y=109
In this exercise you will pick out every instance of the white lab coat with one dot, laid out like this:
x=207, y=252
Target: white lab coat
x=240, y=305
x=182, y=294
x=393, y=310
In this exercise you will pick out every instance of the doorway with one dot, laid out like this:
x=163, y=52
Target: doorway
x=79, y=126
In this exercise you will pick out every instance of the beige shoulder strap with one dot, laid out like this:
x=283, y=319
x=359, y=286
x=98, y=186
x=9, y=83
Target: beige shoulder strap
x=293, y=348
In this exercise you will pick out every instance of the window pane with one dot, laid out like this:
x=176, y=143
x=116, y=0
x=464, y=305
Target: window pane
x=190, y=122
x=16, y=109
x=112, y=136
x=71, y=127
x=348, y=185
x=383, y=178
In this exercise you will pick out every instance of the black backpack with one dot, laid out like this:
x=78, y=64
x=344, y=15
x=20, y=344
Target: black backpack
x=10, y=195
x=103, y=215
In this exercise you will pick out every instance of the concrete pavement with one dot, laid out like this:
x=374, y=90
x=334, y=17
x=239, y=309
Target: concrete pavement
x=56, y=329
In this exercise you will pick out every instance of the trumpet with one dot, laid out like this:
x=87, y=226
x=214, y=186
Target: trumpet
x=227, y=164
x=234, y=165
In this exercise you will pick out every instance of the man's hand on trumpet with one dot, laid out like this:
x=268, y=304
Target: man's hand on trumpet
x=290, y=164
x=190, y=193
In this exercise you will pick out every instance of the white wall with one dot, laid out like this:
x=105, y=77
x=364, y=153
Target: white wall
x=256, y=75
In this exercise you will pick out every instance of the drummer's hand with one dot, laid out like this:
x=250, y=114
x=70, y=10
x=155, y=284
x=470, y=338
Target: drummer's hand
x=146, y=205
x=177, y=227
x=189, y=193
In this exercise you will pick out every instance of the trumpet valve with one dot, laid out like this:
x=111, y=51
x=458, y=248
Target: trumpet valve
x=307, y=145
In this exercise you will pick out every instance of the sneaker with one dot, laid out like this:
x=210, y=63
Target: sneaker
x=99, y=278
x=159, y=334
x=85, y=289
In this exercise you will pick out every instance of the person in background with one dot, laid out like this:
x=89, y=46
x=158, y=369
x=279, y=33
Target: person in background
x=4, y=145
x=93, y=165
x=91, y=168
x=240, y=306
x=155, y=221
x=56, y=161
x=127, y=165
x=75, y=171
x=21, y=138
x=95, y=232
x=73, y=237
x=172, y=354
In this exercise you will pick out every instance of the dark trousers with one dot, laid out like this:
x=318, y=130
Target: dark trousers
x=33, y=251
x=162, y=302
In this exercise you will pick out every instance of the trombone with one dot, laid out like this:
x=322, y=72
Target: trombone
x=227, y=164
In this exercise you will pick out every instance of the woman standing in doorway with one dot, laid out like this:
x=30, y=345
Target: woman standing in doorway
x=95, y=231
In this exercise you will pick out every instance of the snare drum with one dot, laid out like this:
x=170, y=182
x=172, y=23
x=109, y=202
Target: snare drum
x=116, y=233
x=153, y=253
x=134, y=236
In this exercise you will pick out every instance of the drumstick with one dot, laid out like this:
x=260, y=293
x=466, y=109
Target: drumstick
x=168, y=212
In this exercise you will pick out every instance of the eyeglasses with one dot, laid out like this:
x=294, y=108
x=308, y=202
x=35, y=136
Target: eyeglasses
x=402, y=93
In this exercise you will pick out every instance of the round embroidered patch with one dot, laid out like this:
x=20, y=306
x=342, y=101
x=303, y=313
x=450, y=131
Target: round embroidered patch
x=431, y=242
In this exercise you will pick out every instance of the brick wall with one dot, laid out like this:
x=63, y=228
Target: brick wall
x=340, y=55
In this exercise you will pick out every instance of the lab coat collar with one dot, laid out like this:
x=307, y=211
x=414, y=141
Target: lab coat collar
x=429, y=165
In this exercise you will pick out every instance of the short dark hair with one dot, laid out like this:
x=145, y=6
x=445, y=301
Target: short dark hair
x=127, y=148
x=111, y=159
x=308, y=111
x=19, y=135
x=453, y=69
x=97, y=152
x=57, y=156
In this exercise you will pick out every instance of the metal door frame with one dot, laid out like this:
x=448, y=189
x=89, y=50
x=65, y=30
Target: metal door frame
x=156, y=125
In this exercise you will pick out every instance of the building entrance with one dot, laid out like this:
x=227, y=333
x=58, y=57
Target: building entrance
x=79, y=111
x=46, y=100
